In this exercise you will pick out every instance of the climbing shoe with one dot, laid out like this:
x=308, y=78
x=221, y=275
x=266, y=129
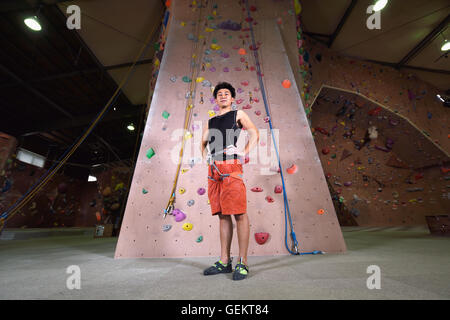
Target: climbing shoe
x=240, y=271
x=219, y=267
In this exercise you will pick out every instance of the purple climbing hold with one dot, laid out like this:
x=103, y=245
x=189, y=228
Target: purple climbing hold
x=201, y=191
x=225, y=55
x=348, y=183
x=239, y=90
x=212, y=69
x=226, y=69
x=179, y=215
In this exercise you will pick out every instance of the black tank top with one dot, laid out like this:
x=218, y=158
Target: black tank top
x=223, y=131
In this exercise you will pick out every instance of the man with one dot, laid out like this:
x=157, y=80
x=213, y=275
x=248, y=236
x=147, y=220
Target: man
x=226, y=189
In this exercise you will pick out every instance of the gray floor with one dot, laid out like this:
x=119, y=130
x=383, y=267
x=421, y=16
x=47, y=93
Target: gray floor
x=413, y=264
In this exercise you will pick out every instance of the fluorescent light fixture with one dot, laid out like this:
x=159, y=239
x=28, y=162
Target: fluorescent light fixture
x=130, y=127
x=33, y=23
x=446, y=46
x=379, y=5
x=92, y=178
x=440, y=98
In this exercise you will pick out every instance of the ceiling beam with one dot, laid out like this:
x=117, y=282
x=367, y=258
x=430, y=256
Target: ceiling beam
x=79, y=73
x=394, y=65
x=34, y=91
x=341, y=23
x=426, y=41
x=21, y=5
x=81, y=121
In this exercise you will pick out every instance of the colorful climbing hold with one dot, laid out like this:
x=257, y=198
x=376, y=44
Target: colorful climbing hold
x=278, y=189
x=144, y=191
x=256, y=189
x=150, y=153
x=261, y=237
x=320, y=211
x=199, y=239
x=292, y=169
x=179, y=215
x=166, y=227
x=269, y=199
x=187, y=226
x=286, y=84
x=182, y=190
x=242, y=51
x=201, y=191
x=165, y=115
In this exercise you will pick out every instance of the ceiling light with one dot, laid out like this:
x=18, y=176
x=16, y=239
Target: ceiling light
x=379, y=5
x=130, y=127
x=92, y=178
x=33, y=23
x=440, y=98
x=446, y=46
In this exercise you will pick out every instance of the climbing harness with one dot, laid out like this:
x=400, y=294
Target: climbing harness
x=287, y=215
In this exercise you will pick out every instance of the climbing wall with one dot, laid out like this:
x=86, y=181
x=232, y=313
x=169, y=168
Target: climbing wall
x=397, y=177
x=206, y=45
x=402, y=175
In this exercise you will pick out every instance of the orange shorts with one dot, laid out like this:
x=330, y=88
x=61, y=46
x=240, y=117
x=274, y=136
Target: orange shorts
x=227, y=194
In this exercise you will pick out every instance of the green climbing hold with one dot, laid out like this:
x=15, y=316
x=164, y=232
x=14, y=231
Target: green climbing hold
x=156, y=46
x=165, y=114
x=333, y=156
x=150, y=153
x=186, y=79
x=200, y=239
x=144, y=191
x=306, y=96
x=214, y=40
x=210, y=18
x=307, y=110
x=301, y=50
x=230, y=37
x=299, y=35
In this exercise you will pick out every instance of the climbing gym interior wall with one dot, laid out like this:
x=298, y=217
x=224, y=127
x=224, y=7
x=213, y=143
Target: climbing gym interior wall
x=208, y=43
x=382, y=136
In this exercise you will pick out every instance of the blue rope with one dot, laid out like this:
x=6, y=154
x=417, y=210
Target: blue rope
x=287, y=213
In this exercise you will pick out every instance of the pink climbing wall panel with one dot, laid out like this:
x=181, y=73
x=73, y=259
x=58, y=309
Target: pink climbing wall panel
x=142, y=232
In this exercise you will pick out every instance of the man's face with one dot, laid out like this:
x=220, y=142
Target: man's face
x=224, y=98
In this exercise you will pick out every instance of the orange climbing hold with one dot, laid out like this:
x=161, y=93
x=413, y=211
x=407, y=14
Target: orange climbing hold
x=320, y=211
x=242, y=51
x=292, y=169
x=286, y=84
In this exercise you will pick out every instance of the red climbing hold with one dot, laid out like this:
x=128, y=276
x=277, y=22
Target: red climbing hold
x=278, y=189
x=375, y=111
x=261, y=237
x=257, y=189
x=325, y=151
x=269, y=199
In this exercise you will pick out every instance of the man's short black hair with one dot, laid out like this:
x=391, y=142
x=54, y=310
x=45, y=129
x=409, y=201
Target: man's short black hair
x=224, y=85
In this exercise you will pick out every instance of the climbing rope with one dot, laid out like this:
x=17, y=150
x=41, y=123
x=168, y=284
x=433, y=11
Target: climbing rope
x=287, y=213
x=45, y=178
x=194, y=70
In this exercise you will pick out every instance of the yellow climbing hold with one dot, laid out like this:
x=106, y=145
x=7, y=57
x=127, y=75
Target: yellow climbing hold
x=215, y=46
x=183, y=23
x=199, y=79
x=211, y=113
x=342, y=122
x=214, y=12
x=184, y=170
x=209, y=30
x=182, y=190
x=187, y=226
x=187, y=135
x=208, y=64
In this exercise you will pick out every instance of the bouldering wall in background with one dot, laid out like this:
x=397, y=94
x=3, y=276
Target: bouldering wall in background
x=400, y=91
x=58, y=204
x=216, y=48
x=384, y=170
